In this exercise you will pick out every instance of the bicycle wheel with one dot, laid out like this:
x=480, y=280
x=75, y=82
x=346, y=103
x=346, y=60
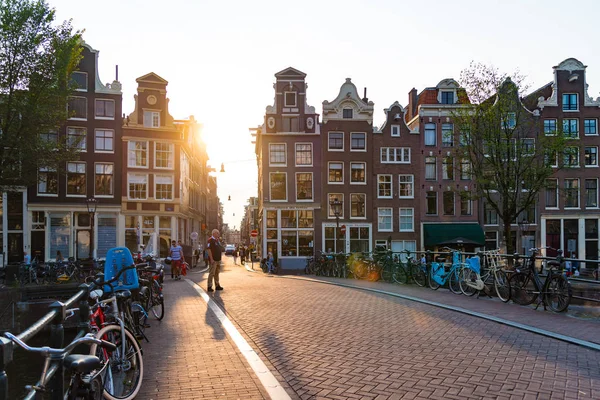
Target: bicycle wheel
x=388, y=271
x=399, y=275
x=434, y=269
x=157, y=302
x=558, y=293
x=455, y=281
x=418, y=274
x=501, y=285
x=522, y=289
x=122, y=380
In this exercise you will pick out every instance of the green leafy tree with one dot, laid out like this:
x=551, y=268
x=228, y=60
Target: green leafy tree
x=37, y=58
x=510, y=158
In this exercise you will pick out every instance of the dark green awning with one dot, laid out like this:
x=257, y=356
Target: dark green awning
x=448, y=234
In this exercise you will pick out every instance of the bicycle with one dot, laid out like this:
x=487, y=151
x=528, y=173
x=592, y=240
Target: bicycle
x=526, y=286
x=86, y=371
x=439, y=277
x=151, y=291
x=473, y=280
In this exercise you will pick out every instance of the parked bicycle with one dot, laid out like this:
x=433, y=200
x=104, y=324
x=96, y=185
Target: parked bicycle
x=440, y=274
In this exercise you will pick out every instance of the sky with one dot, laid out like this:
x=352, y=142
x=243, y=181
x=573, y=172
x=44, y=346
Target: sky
x=220, y=57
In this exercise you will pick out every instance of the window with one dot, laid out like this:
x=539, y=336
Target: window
x=304, y=186
x=571, y=157
x=447, y=97
x=448, y=203
x=591, y=156
x=406, y=186
x=551, y=158
x=430, y=168
x=552, y=193
x=163, y=187
x=569, y=102
x=336, y=141
x=384, y=186
x=347, y=113
x=305, y=219
x=396, y=130
x=336, y=172
x=491, y=240
x=590, y=127
x=490, y=216
x=105, y=109
x=331, y=198
x=528, y=147
x=466, y=204
x=431, y=198
x=304, y=154
x=384, y=220
x=358, y=141
x=47, y=137
x=79, y=81
x=464, y=136
x=358, y=205
x=571, y=128
x=395, y=155
x=510, y=121
x=290, y=124
x=591, y=193
x=138, y=154
x=571, y=193
x=151, y=119
x=77, y=138
x=278, y=186
x=76, y=179
x=447, y=135
x=137, y=186
x=550, y=126
x=77, y=108
x=47, y=182
x=407, y=220
x=448, y=168
x=465, y=169
x=277, y=154
x=105, y=140
x=290, y=99
x=357, y=172
x=164, y=155
x=430, y=135
x=103, y=185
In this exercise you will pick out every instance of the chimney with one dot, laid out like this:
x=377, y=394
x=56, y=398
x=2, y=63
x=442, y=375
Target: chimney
x=116, y=73
x=365, y=98
x=412, y=102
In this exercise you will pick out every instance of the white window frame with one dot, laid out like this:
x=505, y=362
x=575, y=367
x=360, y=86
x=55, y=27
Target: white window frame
x=330, y=196
x=296, y=154
x=563, y=104
x=358, y=150
x=114, y=109
x=435, y=178
x=96, y=150
x=285, y=103
x=388, y=151
x=312, y=182
x=578, y=206
x=412, y=219
x=171, y=151
x=47, y=170
x=555, y=124
x=425, y=131
x=129, y=175
x=83, y=142
x=105, y=196
x=277, y=164
x=129, y=143
x=86, y=81
x=86, y=109
x=67, y=179
x=590, y=134
x=585, y=193
x=570, y=133
x=556, y=198
x=391, y=219
x=328, y=168
x=156, y=176
x=152, y=113
x=412, y=183
x=286, y=188
x=578, y=159
x=395, y=128
x=329, y=137
x=365, y=206
x=364, y=169
x=584, y=152
x=391, y=183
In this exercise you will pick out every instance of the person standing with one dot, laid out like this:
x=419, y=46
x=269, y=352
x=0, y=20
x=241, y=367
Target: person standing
x=214, y=250
x=242, y=255
x=235, y=256
x=176, y=254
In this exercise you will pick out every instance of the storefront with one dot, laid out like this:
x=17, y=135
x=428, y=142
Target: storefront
x=358, y=238
x=152, y=231
x=576, y=235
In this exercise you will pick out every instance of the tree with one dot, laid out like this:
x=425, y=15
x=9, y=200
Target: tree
x=37, y=59
x=509, y=156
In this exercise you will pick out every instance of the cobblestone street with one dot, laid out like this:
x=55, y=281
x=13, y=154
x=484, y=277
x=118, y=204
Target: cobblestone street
x=330, y=342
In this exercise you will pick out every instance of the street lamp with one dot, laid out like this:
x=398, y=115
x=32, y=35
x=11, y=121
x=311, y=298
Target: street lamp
x=523, y=227
x=91, y=204
x=336, y=205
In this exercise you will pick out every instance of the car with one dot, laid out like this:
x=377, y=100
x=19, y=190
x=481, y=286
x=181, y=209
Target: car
x=229, y=249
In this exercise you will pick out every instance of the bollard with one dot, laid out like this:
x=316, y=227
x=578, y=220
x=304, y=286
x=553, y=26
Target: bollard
x=57, y=339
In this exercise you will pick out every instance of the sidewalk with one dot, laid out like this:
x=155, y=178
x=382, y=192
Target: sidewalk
x=190, y=356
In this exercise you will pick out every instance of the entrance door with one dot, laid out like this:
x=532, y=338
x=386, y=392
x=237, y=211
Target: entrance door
x=15, y=247
x=38, y=245
x=83, y=244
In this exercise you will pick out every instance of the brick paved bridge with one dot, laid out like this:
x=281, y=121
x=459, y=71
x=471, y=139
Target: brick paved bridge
x=319, y=341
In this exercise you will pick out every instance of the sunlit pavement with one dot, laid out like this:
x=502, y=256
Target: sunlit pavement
x=331, y=342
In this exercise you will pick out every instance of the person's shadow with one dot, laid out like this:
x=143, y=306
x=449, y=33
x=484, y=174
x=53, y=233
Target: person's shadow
x=211, y=319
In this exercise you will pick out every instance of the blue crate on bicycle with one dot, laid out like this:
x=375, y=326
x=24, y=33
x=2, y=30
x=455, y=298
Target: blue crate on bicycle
x=474, y=264
x=118, y=258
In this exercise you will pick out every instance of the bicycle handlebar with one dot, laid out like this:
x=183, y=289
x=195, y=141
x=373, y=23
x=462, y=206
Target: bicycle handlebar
x=99, y=283
x=87, y=339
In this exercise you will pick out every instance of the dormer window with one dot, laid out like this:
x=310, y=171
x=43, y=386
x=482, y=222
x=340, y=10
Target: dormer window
x=570, y=102
x=447, y=97
x=79, y=80
x=151, y=119
x=290, y=99
x=347, y=113
x=396, y=130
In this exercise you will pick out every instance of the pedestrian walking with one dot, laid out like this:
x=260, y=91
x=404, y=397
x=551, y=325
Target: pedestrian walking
x=176, y=254
x=214, y=249
x=242, y=255
x=235, y=256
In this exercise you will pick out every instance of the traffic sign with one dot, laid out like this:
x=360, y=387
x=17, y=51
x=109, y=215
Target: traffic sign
x=254, y=233
x=343, y=229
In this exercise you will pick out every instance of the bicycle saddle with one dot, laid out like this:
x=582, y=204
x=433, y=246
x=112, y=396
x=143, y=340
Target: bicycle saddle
x=123, y=294
x=82, y=363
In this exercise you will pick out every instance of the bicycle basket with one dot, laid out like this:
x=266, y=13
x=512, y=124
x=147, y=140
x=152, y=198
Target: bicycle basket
x=474, y=264
x=118, y=258
x=438, y=272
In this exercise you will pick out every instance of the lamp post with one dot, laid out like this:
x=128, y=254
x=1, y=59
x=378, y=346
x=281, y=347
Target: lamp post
x=523, y=227
x=336, y=205
x=91, y=204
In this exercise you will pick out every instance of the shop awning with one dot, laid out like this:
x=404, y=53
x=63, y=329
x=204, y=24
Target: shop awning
x=452, y=234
